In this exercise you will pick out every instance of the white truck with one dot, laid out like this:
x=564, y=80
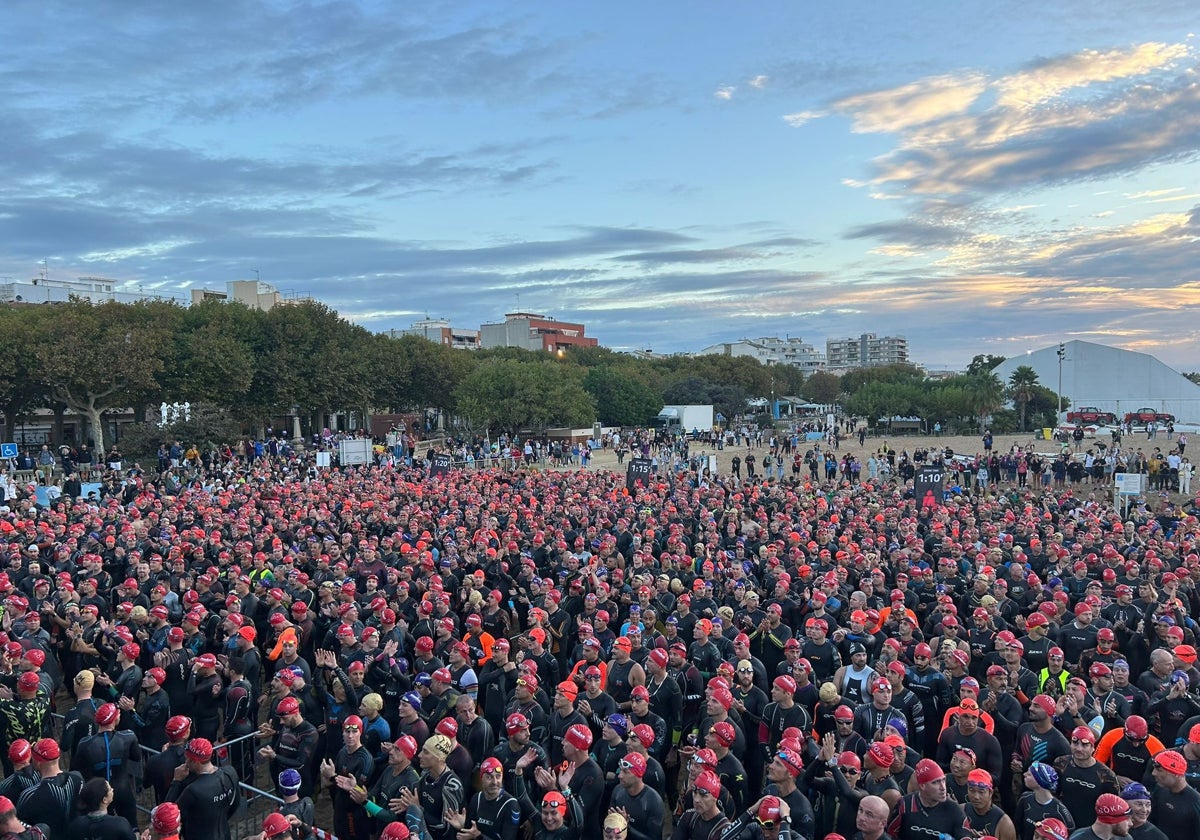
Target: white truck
x=686, y=419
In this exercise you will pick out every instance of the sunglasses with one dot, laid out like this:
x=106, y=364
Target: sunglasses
x=767, y=824
x=624, y=765
x=698, y=761
x=497, y=771
x=1081, y=741
x=350, y=728
x=850, y=770
x=522, y=682
x=592, y=677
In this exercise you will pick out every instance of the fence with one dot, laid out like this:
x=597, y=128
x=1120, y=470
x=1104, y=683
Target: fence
x=257, y=803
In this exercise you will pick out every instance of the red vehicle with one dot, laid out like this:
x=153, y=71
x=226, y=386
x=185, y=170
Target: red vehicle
x=1090, y=414
x=1148, y=415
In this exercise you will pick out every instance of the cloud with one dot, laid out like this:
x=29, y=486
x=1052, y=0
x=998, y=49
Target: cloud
x=758, y=82
x=724, y=92
x=978, y=135
x=1050, y=79
x=911, y=105
x=801, y=117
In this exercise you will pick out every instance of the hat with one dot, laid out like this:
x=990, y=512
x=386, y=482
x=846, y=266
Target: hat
x=579, y=737
x=927, y=770
x=881, y=754
x=198, y=749
x=1099, y=669
x=515, y=723
x=1172, y=762
x=46, y=750
x=900, y=725
x=980, y=777
x=1083, y=733
x=568, y=689
x=708, y=782
x=968, y=708
x=29, y=681
x=276, y=824
x=447, y=726
x=1045, y=775
x=1134, y=792
x=1051, y=828
x=19, y=751
x=438, y=746
x=442, y=675
x=206, y=660
x=1185, y=653
x=407, y=745
x=178, y=726
x=635, y=763
x=785, y=684
x=724, y=732
x=395, y=831
x=619, y=723
x=165, y=819
x=1046, y=703
x=106, y=714
x=644, y=733
x=1136, y=727
x=289, y=780
x=554, y=799
x=1112, y=809
x=843, y=713
x=616, y=821
x=288, y=706
x=85, y=679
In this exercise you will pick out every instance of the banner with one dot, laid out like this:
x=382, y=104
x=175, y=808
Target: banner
x=439, y=464
x=927, y=486
x=639, y=473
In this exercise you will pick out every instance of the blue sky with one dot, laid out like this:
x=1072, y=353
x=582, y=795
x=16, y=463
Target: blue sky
x=979, y=178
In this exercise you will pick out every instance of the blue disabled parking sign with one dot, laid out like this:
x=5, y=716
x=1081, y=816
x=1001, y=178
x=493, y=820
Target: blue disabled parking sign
x=8, y=450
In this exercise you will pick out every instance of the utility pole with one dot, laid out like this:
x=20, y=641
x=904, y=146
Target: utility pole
x=1062, y=352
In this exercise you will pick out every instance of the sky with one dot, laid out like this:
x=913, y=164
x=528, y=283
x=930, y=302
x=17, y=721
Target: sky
x=979, y=178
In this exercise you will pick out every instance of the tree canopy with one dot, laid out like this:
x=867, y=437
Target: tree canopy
x=304, y=359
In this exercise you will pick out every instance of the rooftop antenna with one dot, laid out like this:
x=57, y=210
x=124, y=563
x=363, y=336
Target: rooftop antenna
x=45, y=269
x=257, y=278
x=518, y=301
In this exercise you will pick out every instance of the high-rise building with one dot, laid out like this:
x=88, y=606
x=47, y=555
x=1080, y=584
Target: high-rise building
x=868, y=350
x=533, y=332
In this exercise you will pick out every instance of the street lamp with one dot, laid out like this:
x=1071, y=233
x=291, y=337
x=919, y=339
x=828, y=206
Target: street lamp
x=1062, y=352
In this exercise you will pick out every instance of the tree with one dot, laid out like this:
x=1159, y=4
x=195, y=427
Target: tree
x=823, y=388
x=94, y=357
x=620, y=399
x=855, y=379
x=512, y=395
x=984, y=363
x=985, y=393
x=1021, y=383
x=20, y=389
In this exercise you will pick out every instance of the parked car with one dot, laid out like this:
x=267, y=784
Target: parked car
x=1090, y=414
x=1148, y=415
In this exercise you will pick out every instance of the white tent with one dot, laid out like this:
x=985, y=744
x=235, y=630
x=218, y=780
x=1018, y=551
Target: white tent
x=1111, y=379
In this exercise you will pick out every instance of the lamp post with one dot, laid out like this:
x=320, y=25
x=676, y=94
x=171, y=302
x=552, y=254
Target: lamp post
x=1062, y=352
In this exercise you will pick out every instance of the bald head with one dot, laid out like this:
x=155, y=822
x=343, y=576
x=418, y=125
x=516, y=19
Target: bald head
x=874, y=806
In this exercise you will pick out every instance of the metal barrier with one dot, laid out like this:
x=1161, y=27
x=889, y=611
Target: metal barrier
x=257, y=803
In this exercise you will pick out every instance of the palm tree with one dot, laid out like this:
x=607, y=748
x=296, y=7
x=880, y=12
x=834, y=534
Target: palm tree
x=985, y=392
x=1021, y=384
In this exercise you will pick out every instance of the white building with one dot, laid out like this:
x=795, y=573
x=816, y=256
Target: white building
x=771, y=351
x=95, y=289
x=1111, y=379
